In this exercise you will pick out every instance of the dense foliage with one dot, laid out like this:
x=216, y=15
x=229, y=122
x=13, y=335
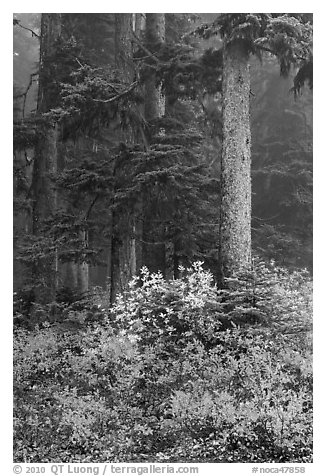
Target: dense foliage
x=162, y=377
x=176, y=176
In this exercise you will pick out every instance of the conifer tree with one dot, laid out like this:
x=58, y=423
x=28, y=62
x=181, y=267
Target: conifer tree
x=235, y=221
x=129, y=132
x=287, y=37
x=122, y=265
x=154, y=38
x=46, y=154
x=154, y=250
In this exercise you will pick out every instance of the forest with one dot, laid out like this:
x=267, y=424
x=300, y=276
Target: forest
x=162, y=255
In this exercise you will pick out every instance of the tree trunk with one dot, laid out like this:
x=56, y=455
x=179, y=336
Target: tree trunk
x=46, y=159
x=83, y=267
x=235, y=222
x=154, y=250
x=138, y=24
x=155, y=36
x=122, y=262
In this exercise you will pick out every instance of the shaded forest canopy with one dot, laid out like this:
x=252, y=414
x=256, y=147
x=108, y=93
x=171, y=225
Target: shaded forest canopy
x=109, y=153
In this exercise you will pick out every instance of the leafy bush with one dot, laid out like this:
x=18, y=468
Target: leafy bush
x=252, y=404
x=173, y=373
x=192, y=307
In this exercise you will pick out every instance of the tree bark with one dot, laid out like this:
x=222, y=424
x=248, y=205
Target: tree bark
x=154, y=253
x=155, y=36
x=138, y=24
x=46, y=160
x=122, y=262
x=235, y=220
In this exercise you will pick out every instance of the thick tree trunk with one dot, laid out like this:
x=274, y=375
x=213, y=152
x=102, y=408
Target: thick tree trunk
x=235, y=224
x=122, y=262
x=155, y=36
x=51, y=30
x=138, y=24
x=45, y=161
x=82, y=267
x=154, y=250
x=76, y=276
x=45, y=164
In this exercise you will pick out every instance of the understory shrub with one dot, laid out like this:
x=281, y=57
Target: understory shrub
x=269, y=298
x=173, y=373
x=69, y=306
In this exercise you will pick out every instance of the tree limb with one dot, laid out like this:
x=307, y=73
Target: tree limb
x=269, y=50
x=17, y=23
x=24, y=94
x=118, y=96
x=91, y=206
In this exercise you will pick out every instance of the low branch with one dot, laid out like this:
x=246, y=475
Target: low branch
x=266, y=219
x=269, y=50
x=120, y=95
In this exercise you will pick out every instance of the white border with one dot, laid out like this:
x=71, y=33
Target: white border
x=319, y=197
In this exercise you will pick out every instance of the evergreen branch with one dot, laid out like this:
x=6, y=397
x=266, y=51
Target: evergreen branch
x=266, y=219
x=17, y=23
x=142, y=58
x=273, y=52
x=152, y=243
x=91, y=206
x=120, y=95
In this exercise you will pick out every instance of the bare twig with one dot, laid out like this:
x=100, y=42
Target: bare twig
x=24, y=94
x=17, y=23
x=81, y=65
x=266, y=219
x=91, y=206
